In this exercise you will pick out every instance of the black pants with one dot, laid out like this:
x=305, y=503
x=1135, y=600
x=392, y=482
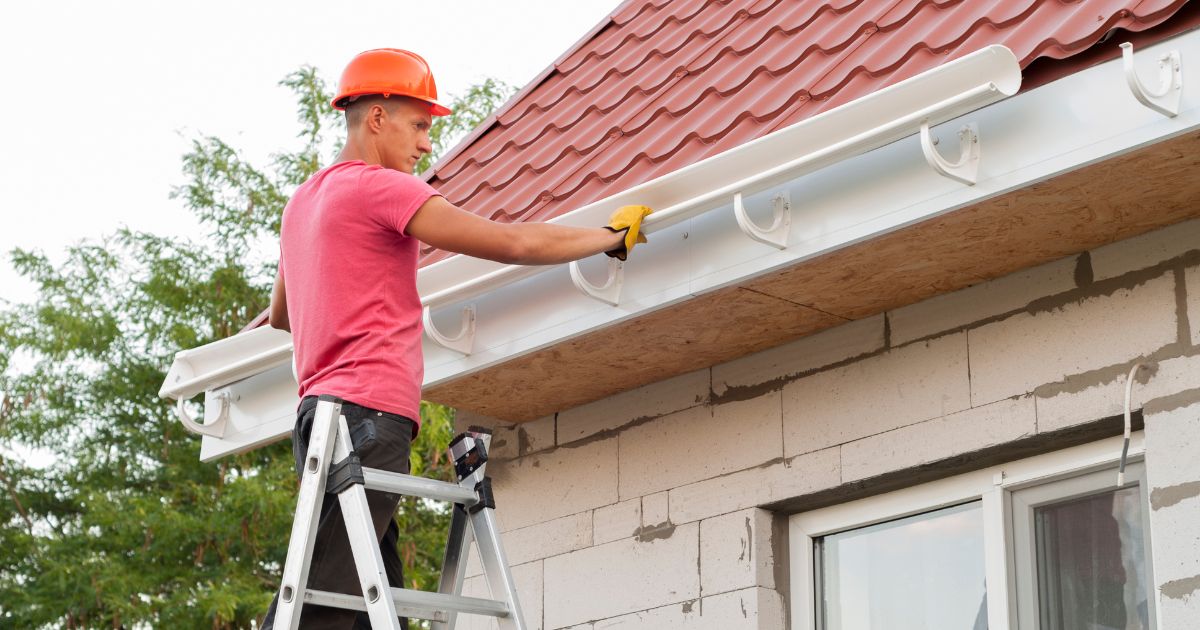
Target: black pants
x=382, y=440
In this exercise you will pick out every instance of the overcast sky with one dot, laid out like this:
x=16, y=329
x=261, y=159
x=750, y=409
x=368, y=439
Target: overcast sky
x=99, y=99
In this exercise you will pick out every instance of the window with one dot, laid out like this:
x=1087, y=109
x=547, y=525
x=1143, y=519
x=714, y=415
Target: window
x=1046, y=543
x=1080, y=553
x=923, y=572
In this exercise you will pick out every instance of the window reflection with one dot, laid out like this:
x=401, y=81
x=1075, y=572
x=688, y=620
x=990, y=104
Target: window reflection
x=1091, y=563
x=924, y=572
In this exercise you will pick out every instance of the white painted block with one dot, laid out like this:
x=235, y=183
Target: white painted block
x=544, y=486
x=1180, y=612
x=1002, y=295
x=940, y=438
x=654, y=510
x=536, y=435
x=809, y=353
x=736, y=552
x=1173, y=474
x=622, y=577
x=551, y=538
x=919, y=381
x=1145, y=250
x=510, y=442
x=1013, y=356
x=655, y=399
x=616, y=521
x=749, y=609
x=528, y=580
x=1068, y=408
x=539, y=541
x=699, y=443
x=753, y=487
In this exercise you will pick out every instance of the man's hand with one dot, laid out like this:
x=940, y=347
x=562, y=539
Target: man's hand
x=628, y=219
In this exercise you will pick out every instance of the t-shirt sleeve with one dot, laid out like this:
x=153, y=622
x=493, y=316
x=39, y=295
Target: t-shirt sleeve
x=394, y=197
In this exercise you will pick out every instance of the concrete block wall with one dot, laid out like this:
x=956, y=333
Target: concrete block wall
x=646, y=509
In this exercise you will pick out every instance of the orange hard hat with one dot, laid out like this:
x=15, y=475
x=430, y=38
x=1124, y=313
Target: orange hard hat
x=389, y=71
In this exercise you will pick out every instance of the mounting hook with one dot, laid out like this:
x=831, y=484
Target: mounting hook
x=610, y=291
x=966, y=169
x=463, y=342
x=1170, y=82
x=777, y=234
x=216, y=428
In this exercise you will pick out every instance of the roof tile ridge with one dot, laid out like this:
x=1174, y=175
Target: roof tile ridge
x=646, y=4
x=600, y=56
x=541, y=108
x=922, y=44
x=942, y=5
x=777, y=28
x=774, y=126
x=661, y=156
x=1168, y=10
x=545, y=130
x=527, y=168
x=735, y=23
x=482, y=128
x=801, y=93
x=1069, y=49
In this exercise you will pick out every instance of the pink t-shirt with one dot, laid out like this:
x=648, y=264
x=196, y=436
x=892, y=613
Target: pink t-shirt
x=350, y=274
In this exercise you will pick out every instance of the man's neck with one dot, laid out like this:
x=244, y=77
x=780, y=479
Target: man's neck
x=355, y=150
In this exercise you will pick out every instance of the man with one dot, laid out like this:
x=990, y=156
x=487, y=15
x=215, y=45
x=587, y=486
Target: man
x=346, y=287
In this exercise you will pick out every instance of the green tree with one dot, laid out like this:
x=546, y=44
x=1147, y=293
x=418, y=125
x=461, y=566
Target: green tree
x=124, y=526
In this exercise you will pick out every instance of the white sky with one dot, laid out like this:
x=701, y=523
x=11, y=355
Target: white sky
x=99, y=99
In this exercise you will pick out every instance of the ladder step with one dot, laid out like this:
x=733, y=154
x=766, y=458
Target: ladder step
x=375, y=479
x=415, y=604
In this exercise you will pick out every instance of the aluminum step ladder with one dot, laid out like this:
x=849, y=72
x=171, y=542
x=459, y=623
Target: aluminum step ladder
x=332, y=464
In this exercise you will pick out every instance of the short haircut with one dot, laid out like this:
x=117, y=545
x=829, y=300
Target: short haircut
x=357, y=109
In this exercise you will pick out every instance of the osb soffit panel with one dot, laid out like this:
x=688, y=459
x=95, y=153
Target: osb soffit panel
x=1105, y=202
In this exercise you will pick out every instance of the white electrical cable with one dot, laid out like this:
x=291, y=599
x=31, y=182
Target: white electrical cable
x=1128, y=423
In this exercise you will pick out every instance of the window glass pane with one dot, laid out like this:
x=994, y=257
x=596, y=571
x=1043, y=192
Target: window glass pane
x=1091, y=562
x=924, y=572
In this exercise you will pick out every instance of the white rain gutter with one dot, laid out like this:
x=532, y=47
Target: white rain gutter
x=880, y=118
x=1083, y=118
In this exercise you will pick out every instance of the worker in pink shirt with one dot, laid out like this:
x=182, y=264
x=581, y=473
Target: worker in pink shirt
x=346, y=287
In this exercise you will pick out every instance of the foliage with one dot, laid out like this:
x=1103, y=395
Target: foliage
x=125, y=527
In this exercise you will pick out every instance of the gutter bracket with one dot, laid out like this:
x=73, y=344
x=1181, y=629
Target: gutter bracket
x=462, y=342
x=216, y=428
x=610, y=291
x=1170, y=82
x=777, y=235
x=966, y=169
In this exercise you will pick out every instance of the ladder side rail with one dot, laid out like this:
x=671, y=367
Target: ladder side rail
x=491, y=551
x=454, y=562
x=308, y=512
x=364, y=544
x=495, y=566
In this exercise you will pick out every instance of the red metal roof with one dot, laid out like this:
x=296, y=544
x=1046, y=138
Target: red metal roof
x=664, y=83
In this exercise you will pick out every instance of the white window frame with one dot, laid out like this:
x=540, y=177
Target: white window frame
x=993, y=486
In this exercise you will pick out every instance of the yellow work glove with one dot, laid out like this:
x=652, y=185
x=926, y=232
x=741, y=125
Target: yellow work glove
x=629, y=220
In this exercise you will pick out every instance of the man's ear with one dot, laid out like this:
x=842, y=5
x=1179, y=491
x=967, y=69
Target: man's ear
x=376, y=117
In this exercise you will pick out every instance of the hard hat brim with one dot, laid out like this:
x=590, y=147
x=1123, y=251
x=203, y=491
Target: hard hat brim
x=435, y=108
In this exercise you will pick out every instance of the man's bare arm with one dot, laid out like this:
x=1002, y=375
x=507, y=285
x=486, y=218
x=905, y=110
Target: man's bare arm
x=445, y=226
x=278, y=316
